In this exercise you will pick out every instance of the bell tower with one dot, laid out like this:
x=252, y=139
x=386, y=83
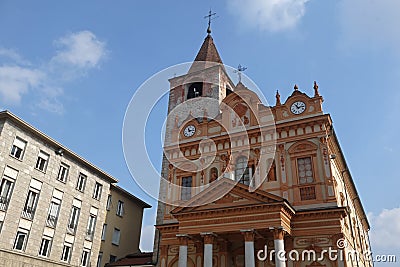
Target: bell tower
x=206, y=81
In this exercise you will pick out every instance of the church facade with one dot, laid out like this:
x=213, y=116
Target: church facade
x=245, y=184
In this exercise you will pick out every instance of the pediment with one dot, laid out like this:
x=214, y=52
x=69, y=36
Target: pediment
x=226, y=193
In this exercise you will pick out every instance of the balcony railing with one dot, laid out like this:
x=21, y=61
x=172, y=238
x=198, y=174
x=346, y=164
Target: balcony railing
x=4, y=203
x=307, y=193
x=28, y=213
x=51, y=221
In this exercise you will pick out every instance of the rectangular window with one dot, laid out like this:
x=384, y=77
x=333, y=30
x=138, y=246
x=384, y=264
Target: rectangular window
x=45, y=247
x=103, y=232
x=63, y=173
x=54, y=210
x=112, y=258
x=85, y=259
x=99, y=258
x=116, y=236
x=120, y=208
x=109, y=202
x=30, y=204
x=18, y=148
x=66, y=254
x=304, y=170
x=6, y=186
x=20, y=240
x=97, y=191
x=186, y=190
x=42, y=160
x=73, y=220
x=90, y=227
x=80, y=185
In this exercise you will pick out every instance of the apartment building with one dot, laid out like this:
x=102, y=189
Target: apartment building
x=52, y=201
x=121, y=230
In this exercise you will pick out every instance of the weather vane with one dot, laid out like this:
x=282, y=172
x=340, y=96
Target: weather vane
x=210, y=17
x=239, y=71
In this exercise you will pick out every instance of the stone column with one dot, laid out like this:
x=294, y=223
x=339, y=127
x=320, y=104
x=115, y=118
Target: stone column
x=279, y=247
x=208, y=248
x=249, y=247
x=183, y=248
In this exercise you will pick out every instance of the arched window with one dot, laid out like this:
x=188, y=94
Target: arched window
x=195, y=90
x=213, y=174
x=242, y=173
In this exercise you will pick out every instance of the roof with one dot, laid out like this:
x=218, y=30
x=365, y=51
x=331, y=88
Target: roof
x=208, y=51
x=135, y=259
x=23, y=124
x=129, y=195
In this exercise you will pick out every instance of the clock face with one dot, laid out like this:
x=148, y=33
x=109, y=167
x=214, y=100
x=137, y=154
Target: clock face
x=298, y=107
x=189, y=131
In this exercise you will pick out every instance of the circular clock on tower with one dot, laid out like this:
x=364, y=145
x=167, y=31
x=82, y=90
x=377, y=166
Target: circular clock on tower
x=189, y=131
x=298, y=107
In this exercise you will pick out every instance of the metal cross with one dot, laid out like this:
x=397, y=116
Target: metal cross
x=210, y=17
x=239, y=71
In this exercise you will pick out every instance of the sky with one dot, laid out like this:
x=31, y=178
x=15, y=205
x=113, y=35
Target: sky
x=70, y=68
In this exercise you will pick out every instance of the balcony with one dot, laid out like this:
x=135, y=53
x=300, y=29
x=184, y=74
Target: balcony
x=4, y=203
x=28, y=213
x=51, y=221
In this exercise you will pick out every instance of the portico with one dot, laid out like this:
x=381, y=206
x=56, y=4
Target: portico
x=230, y=230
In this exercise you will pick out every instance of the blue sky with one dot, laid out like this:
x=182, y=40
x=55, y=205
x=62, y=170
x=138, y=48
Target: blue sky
x=70, y=68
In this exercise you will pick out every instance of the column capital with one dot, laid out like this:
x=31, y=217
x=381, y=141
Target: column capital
x=278, y=232
x=248, y=235
x=208, y=237
x=183, y=239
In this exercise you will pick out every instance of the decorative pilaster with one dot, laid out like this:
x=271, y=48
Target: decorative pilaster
x=199, y=253
x=163, y=255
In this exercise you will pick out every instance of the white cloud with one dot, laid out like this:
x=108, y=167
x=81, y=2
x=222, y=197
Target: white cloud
x=78, y=53
x=385, y=231
x=13, y=56
x=271, y=15
x=15, y=81
x=372, y=24
x=81, y=49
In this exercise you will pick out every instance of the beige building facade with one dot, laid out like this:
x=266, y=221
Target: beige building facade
x=52, y=201
x=121, y=230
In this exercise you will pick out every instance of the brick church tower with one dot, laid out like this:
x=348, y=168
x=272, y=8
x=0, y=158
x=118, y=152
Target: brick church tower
x=240, y=179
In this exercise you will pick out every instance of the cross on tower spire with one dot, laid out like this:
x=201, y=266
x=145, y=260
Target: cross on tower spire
x=210, y=17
